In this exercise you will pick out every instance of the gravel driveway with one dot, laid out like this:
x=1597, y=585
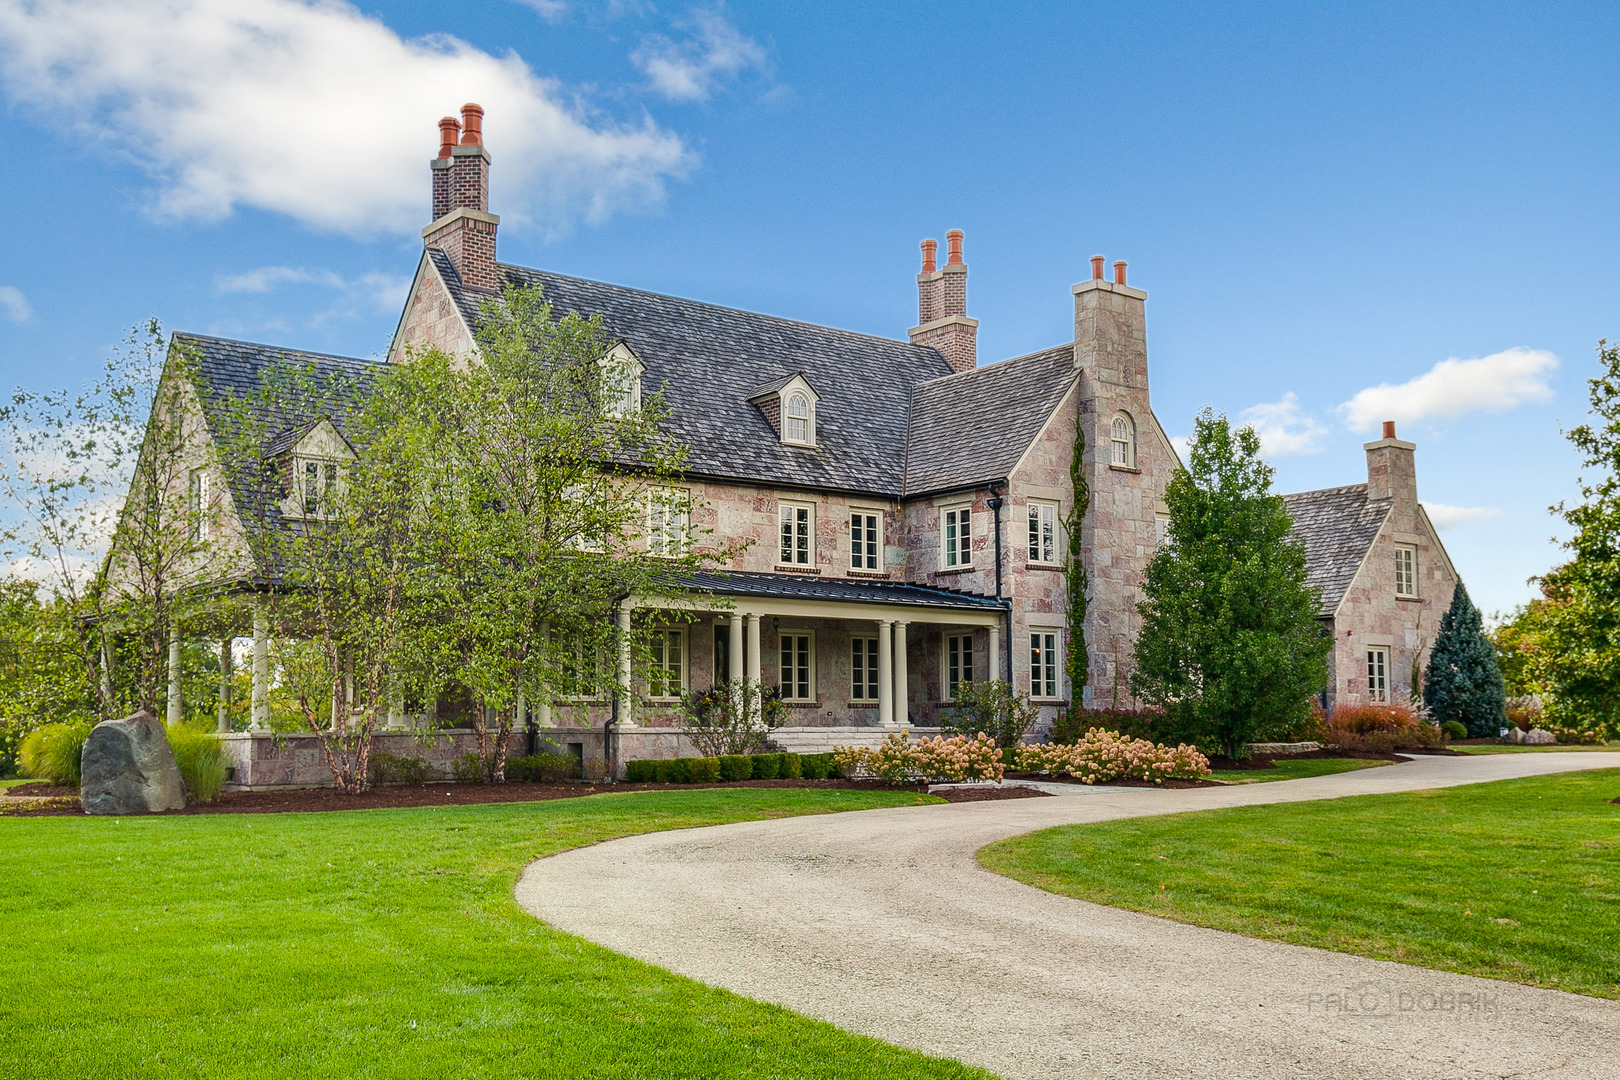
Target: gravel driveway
x=882, y=922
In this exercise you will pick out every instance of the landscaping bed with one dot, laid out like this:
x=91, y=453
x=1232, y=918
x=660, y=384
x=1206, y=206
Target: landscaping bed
x=1122, y=781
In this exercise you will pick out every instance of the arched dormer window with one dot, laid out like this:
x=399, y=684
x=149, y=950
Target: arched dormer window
x=788, y=404
x=800, y=425
x=1122, y=441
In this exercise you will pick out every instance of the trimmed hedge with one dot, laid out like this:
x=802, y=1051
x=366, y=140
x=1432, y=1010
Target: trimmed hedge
x=817, y=766
x=736, y=767
x=730, y=768
x=767, y=766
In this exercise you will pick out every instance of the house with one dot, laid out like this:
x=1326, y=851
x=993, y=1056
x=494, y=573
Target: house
x=904, y=503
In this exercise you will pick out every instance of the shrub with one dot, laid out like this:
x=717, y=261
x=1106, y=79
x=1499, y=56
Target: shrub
x=720, y=721
x=388, y=769
x=52, y=752
x=1100, y=756
x=542, y=768
x=1574, y=736
x=467, y=769
x=1454, y=729
x=815, y=766
x=1073, y=724
x=201, y=761
x=702, y=770
x=946, y=758
x=675, y=771
x=767, y=766
x=1525, y=717
x=736, y=767
x=792, y=766
x=1380, y=729
x=641, y=771
x=992, y=708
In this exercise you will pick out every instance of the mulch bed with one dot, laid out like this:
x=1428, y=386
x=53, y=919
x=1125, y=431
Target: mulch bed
x=987, y=794
x=40, y=788
x=306, y=800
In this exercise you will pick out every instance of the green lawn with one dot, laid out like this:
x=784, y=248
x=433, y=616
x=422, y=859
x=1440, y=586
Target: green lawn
x=380, y=943
x=1507, y=748
x=1518, y=879
x=1295, y=769
x=15, y=781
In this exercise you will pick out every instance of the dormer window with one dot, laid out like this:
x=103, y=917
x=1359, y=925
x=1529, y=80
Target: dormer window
x=315, y=473
x=800, y=420
x=319, y=486
x=789, y=406
x=621, y=380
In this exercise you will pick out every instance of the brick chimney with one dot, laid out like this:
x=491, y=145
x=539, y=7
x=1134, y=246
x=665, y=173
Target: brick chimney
x=463, y=228
x=1392, y=468
x=1110, y=329
x=942, y=320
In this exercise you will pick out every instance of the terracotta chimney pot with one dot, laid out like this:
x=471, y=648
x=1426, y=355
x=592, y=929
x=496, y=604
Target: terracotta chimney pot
x=472, y=121
x=1096, y=268
x=449, y=133
x=1119, y=273
x=954, y=239
x=928, y=249
x=1389, y=429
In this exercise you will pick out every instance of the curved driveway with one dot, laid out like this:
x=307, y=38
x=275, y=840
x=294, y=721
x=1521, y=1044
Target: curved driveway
x=882, y=922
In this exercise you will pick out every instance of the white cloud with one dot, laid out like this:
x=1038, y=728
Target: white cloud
x=313, y=109
x=385, y=292
x=1446, y=517
x=549, y=10
x=15, y=304
x=690, y=70
x=1182, y=446
x=1283, y=428
x=1453, y=388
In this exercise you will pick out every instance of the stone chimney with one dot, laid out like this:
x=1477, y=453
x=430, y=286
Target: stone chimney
x=1110, y=329
x=463, y=228
x=942, y=320
x=1392, y=468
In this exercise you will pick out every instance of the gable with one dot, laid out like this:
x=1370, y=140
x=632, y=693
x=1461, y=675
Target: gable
x=1338, y=527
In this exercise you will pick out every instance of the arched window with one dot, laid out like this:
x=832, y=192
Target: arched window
x=1122, y=440
x=799, y=427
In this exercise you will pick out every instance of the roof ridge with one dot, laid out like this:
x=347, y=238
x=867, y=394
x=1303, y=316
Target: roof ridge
x=266, y=345
x=1326, y=490
x=994, y=364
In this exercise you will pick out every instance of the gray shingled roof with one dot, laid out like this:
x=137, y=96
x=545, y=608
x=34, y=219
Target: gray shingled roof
x=973, y=427
x=1338, y=526
x=791, y=587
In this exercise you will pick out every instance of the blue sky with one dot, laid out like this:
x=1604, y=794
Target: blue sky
x=1320, y=201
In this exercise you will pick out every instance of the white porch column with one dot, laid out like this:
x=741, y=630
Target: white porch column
x=994, y=667
x=902, y=691
x=627, y=709
x=176, y=705
x=259, y=711
x=751, y=666
x=226, y=660
x=734, y=661
x=885, y=673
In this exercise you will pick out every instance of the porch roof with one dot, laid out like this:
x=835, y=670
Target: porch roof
x=836, y=590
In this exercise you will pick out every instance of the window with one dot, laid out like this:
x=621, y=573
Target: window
x=798, y=419
x=863, y=668
x=1043, y=661
x=798, y=535
x=798, y=655
x=958, y=662
x=621, y=381
x=1405, y=570
x=865, y=541
x=582, y=667
x=1378, y=675
x=199, y=505
x=1122, y=441
x=957, y=535
x=319, y=479
x=1161, y=530
x=668, y=522
x=667, y=678
x=1043, y=542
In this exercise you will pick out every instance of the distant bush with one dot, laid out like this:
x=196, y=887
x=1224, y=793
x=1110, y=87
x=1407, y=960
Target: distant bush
x=993, y=708
x=1380, y=729
x=52, y=752
x=816, y=766
x=702, y=770
x=467, y=769
x=640, y=771
x=1454, y=729
x=201, y=761
x=1073, y=724
x=901, y=761
x=542, y=768
x=388, y=769
x=736, y=767
x=1525, y=717
x=792, y=767
x=1100, y=756
x=767, y=766
x=1573, y=736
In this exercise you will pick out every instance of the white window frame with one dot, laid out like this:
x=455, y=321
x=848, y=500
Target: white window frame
x=1045, y=663
x=669, y=522
x=955, y=663
x=659, y=640
x=1406, y=581
x=956, y=536
x=199, y=503
x=789, y=687
x=1161, y=530
x=796, y=531
x=327, y=474
x=806, y=436
x=588, y=667
x=863, y=669
x=622, y=366
x=866, y=539
x=1045, y=532
x=1378, y=674
x=1122, y=441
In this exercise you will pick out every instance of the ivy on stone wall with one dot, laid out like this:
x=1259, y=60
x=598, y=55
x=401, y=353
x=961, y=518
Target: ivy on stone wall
x=1077, y=662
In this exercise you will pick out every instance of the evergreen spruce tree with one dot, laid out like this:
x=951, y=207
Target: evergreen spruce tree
x=1463, y=682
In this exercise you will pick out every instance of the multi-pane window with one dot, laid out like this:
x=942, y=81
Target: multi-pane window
x=1122, y=441
x=1405, y=570
x=667, y=677
x=797, y=654
x=199, y=505
x=798, y=535
x=1043, y=532
x=1043, y=661
x=958, y=662
x=319, y=483
x=863, y=668
x=799, y=425
x=865, y=540
x=1378, y=675
x=668, y=522
x=621, y=383
x=1161, y=530
x=956, y=531
x=582, y=666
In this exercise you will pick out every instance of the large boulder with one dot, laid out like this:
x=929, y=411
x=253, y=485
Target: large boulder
x=1539, y=737
x=128, y=768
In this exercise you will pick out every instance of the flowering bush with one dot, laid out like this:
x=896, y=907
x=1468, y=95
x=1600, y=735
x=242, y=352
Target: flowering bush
x=1099, y=756
x=953, y=758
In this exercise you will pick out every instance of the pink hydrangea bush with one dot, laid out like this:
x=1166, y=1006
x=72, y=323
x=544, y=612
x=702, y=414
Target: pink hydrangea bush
x=1100, y=756
x=954, y=758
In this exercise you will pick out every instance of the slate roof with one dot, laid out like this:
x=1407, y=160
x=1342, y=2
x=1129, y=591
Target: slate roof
x=845, y=590
x=973, y=427
x=1338, y=526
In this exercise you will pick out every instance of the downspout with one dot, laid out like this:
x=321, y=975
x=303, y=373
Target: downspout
x=995, y=503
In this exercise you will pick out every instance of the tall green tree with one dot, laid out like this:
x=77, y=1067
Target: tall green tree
x=1230, y=646
x=1463, y=682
